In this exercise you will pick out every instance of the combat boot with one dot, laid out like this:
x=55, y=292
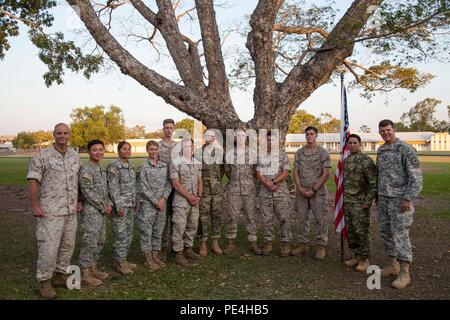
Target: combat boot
x=60, y=280
x=123, y=268
x=163, y=254
x=285, y=249
x=362, y=266
x=215, y=248
x=191, y=254
x=404, y=278
x=132, y=266
x=351, y=263
x=320, y=253
x=203, y=251
x=392, y=269
x=301, y=249
x=268, y=247
x=229, y=248
x=97, y=273
x=46, y=290
x=254, y=248
x=150, y=262
x=181, y=260
x=88, y=280
x=155, y=256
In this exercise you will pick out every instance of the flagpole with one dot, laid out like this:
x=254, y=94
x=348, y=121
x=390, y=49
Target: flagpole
x=342, y=236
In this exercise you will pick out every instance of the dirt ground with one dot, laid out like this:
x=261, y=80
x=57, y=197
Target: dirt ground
x=430, y=239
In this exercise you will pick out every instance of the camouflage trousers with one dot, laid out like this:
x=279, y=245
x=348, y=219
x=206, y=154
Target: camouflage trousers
x=318, y=206
x=151, y=223
x=237, y=202
x=56, y=242
x=269, y=207
x=122, y=231
x=93, y=235
x=211, y=207
x=357, y=223
x=167, y=232
x=185, y=223
x=394, y=228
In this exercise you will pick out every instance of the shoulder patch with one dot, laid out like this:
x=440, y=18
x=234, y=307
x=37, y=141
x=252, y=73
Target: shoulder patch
x=113, y=169
x=87, y=175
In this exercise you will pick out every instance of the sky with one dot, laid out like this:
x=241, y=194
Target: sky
x=26, y=104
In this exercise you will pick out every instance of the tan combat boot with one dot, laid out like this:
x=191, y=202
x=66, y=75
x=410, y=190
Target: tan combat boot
x=352, y=262
x=404, y=278
x=203, y=251
x=229, y=248
x=268, y=247
x=46, y=290
x=60, y=280
x=163, y=254
x=181, y=260
x=254, y=248
x=392, y=269
x=123, y=268
x=97, y=273
x=320, y=253
x=155, y=256
x=132, y=266
x=191, y=254
x=301, y=249
x=285, y=249
x=362, y=266
x=150, y=262
x=215, y=248
x=88, y=280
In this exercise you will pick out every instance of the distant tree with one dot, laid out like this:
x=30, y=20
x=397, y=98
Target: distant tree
x=136, y=132
x=42, y=136
x=23, y=140
x=365, y=129
x=300, y=120
x=158, y=134
x=187, y=124
x=94, y=123
x=421, y=116
x=328, y=124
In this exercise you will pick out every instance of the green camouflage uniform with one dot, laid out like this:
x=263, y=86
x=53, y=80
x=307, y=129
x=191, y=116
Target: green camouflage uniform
x=278, y=202
x=94, y=189
x=399, y=178
x=56, y=232
x=153, y=184
x=122, y=191
x=360, y=187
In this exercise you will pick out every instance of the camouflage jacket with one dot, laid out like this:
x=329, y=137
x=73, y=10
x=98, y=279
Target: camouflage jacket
x=309, y=164
x=122, y=184
x=212, y=171
x=188, y=174
x=399, y=173
x=58, y=178
x=241, y=175
x=360, y=179
x=271, y=166
x=153, y=182
x=94, y=187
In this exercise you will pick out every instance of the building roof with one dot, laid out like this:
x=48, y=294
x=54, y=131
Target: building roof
x=365, y=137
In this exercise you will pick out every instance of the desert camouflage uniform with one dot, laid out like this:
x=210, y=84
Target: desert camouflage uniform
x=399, y=178
x=211, y=205
x=360, y=187
x=278, y=202
x=94, y=189
x=185, y=216
x=56, y=232
x=153, y=184
x=241, y=195
x=309, y=163
x=122, y=191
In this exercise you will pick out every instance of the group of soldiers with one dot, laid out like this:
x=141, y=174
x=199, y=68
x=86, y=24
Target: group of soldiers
x=177, y=195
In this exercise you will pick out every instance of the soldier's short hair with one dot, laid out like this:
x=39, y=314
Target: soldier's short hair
x=60, y=124
x=166, y=121
x=93, y=142
x=312, y=128
x=121, y=144
x=151, y=143
x=385, y=123
x=354, y=135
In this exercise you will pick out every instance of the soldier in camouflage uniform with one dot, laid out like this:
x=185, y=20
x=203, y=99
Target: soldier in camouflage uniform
x=211, y=206
x=273, y=171
x=241, y=192
x=154, y=189
x=96, y=204
x=53, y=186
x=399, y=182
x=360, y=188
x=122, y=191
x=186, y=176
x=312, y=169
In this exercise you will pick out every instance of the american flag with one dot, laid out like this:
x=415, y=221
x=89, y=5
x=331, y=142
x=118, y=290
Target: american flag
x=339, y=222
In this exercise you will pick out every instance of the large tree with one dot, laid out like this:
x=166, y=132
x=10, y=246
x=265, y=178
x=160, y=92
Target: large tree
x=294, y=47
